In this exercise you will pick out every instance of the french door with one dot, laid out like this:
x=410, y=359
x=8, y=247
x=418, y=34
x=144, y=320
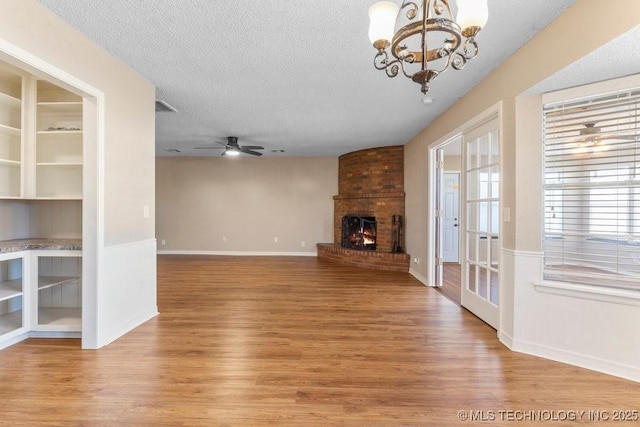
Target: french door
x=481, y=265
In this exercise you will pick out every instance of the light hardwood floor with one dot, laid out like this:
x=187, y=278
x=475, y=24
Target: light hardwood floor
x=246, y=341
x=451, y=282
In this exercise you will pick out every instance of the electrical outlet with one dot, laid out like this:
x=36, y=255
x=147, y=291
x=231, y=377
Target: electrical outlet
x=303, y=244
x=145, y=211
x=416, y=260
x=275, y=240
x=224, y=238
x=163, y=242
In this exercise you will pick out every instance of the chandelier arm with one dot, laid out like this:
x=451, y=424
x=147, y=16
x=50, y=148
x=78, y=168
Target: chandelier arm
x=403, y=70
x=380, y=61
x=439, y=6
x=457, y=61
x=470, y=48
x=392, y=68
x=412, y=12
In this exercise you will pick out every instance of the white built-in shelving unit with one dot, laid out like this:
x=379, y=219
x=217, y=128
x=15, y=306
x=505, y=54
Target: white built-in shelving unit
x=41, y=161
x=10, y=133
x=58, y=148
x=11, y=294
x=57, y=306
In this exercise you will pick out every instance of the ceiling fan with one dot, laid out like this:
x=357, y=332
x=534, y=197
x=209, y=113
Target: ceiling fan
x=593, y=135
x=231, y=147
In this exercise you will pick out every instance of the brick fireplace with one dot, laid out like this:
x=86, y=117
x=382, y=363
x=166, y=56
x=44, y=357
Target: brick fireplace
x=370, y=184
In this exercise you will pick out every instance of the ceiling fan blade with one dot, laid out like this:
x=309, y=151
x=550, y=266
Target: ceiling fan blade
x=253, y=147
x=247, y=151
x=626, y=137
x=208, y=147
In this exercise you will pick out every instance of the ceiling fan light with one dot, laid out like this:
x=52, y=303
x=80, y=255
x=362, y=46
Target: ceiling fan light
x=231, y=152
x=472, y=13
x=382, y=22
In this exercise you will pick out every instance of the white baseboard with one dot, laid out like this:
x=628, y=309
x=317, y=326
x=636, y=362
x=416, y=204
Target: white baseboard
x=123, y=328
x=583, y=361
x=420, y=277
x=54, y=334
x=14, y=340
x=506, y=339
x=233, y=253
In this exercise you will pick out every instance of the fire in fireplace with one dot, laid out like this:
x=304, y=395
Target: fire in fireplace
x=359, y=232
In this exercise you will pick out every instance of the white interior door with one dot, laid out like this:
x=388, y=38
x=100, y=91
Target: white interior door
x=480, y=272
x=451, y=216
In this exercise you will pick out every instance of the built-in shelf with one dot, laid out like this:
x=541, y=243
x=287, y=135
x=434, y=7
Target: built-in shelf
x=74, y=107
x=59, y=132
x=10, y=321
x=59, y=164
x=10, y=133
x=67, y=319
x=58, y=149
x=57, y=197
x=10, y=289
x=45, y=282
x=58, y=301
x=10, y=101
x=10, y=130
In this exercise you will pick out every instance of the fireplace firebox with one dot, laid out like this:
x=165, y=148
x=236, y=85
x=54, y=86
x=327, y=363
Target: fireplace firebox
x=359, y=232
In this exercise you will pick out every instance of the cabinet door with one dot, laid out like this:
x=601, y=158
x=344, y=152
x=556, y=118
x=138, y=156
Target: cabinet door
x=58, y=150
x=10, y=133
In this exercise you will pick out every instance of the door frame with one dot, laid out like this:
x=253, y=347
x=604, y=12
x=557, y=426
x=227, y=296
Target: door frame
x=484, y=116
x=433, y=182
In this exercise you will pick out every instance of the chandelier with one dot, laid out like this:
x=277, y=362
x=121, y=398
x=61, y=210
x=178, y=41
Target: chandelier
x=430, y=42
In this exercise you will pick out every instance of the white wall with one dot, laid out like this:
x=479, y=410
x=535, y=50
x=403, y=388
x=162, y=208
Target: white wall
x=119, y=161
x=239, y=205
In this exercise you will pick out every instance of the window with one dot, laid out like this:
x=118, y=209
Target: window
x=610, y=203
x=592, y=190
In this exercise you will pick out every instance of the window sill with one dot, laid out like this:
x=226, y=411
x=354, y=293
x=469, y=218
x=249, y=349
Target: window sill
x=590, y=292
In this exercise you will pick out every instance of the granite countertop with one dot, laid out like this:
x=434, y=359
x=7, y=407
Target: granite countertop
x=18, y=245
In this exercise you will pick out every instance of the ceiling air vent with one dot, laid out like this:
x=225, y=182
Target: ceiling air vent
x=163, y=107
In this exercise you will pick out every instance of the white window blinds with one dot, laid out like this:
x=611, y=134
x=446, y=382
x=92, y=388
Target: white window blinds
x=592, y=190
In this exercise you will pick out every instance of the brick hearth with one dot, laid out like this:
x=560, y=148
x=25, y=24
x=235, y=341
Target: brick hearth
x=367, y=259
x=370, y=183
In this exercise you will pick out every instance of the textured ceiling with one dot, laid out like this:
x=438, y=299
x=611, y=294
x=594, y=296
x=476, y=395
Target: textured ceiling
x=613, y=60
x=290, y=75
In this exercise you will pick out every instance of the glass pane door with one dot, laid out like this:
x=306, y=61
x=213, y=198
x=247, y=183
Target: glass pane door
x=482, y=227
